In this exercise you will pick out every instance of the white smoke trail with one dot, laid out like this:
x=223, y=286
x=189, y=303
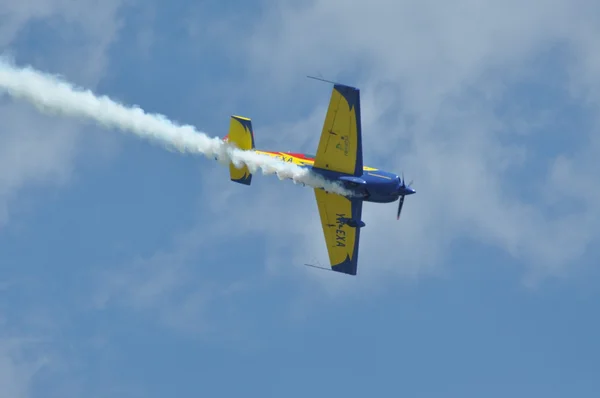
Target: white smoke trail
x=52, y=95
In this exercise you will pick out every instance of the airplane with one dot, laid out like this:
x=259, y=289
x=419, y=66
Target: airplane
x=339, y=158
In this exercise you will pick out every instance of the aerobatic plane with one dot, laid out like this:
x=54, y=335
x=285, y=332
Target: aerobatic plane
x=339, y=158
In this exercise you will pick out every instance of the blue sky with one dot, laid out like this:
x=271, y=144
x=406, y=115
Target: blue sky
x=127, y=270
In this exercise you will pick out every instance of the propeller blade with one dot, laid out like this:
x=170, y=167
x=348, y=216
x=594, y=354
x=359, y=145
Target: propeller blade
x=400, y=204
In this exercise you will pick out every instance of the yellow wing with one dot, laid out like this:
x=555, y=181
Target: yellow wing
x=340, y=146
x=338, y=215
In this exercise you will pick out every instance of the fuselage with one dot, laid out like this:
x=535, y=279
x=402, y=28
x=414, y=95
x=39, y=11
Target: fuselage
x=374, y=185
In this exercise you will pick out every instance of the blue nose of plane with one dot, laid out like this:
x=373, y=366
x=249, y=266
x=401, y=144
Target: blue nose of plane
x=404, y=188
x=407, y=190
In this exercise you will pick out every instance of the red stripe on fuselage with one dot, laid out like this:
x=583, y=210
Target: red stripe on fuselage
x=296, y=155
x=299, y=156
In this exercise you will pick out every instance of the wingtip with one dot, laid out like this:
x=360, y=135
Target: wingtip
x=332, y=82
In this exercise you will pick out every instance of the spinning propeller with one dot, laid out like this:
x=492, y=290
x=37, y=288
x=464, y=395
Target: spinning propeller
x=404, y=190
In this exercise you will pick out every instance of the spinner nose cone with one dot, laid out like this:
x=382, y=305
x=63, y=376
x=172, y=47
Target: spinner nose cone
x=405, y=191
x=403, y=188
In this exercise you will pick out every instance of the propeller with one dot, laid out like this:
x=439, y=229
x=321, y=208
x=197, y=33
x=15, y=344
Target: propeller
x=400, y=204
x=404, y=190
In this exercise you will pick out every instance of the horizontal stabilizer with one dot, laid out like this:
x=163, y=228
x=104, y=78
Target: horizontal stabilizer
x=242, y=135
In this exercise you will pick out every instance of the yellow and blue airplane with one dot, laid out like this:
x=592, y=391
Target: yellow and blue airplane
x=339, y=158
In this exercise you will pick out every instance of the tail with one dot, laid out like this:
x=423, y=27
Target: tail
x=240, y=134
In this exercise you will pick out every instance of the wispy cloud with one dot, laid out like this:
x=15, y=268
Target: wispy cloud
x=448, y=71
x=167, y=289
x=444, y=90
x=17, y=369
x=37, y=150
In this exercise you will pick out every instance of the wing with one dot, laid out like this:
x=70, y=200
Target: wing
x=341, y=239
x=340, y=146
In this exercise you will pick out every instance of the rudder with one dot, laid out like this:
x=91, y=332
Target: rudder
x=242, y=135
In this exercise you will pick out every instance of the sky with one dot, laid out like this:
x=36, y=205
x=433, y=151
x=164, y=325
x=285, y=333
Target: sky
x=127, y=270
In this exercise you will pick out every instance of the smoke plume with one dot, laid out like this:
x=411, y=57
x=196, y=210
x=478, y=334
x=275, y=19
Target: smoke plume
x=53, y=95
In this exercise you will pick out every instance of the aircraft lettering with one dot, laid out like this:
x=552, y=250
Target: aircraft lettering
x=340, y=234
x=283, y=158
x=340, y=238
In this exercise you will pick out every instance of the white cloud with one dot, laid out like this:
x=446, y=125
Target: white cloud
x=169, y=285
x=35, y=149
x=16, y=368
x=443, y=69
x=432, y=76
